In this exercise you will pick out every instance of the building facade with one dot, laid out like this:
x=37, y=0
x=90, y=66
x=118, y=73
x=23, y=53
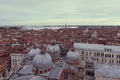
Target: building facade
x=99, y=53
x=16, y=60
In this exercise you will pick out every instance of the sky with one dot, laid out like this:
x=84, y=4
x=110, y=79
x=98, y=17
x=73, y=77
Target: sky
x=55, y=12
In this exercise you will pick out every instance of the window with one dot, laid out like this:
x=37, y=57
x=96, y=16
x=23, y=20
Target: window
x=70, y=72
x=86, y=53
x=90, y=73
x=112, y=56
x=109, y=61
x=97, y=59
x=116, y=56
x=40, y=71
x=89, y=53
x=112, y=61
x=82, y=52
x=98, y=54
x=48, y=69
x=106, y=49
x=109, y=55
x=105, y=60
x=67, y=73
x=102, y=60
x=105, y=55
x=88, y=66
x=13, y=60
x=73, y=74
x=110, y=49
x=82, y=58
x=45, y=71
x=102, y=54
x=95, y=54
x=117, y=61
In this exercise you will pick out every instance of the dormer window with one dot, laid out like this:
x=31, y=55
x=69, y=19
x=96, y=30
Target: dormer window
x=107, y=49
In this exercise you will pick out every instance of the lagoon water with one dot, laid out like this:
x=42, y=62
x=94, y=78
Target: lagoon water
x=47, y=27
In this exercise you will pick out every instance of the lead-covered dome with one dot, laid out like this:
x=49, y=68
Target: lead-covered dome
x=54, y=50
x=33, y=52
x=42, y=63
x=72, y=57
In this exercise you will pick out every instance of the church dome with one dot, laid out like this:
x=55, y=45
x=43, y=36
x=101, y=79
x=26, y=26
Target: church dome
x=53, y=48
x=42, y=62
x=72, y=57
x=33, y=52
x=54, y=51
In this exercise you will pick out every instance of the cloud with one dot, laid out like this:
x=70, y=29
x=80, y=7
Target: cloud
x=59, y=12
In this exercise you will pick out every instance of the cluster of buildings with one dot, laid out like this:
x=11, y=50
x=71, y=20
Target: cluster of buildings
x=46, y=63
x=99, y=45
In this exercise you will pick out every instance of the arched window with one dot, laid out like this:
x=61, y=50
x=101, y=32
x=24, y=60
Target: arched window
x=40, y=71
x=67, y=72
x=72, y=74
x=45, y=71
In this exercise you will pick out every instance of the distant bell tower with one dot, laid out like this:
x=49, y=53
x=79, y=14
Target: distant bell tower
x=94, y=34
x=118, y=34
x=65, y=25
x=0, y=36
x=85, y=31
x=35, y=39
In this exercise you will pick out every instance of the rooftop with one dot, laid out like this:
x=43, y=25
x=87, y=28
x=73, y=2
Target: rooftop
x=106, y=70
x=97, y=47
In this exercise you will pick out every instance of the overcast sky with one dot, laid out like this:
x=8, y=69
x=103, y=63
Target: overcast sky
x=45, y=12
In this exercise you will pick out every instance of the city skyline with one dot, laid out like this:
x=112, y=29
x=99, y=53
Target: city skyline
x=53, y=12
